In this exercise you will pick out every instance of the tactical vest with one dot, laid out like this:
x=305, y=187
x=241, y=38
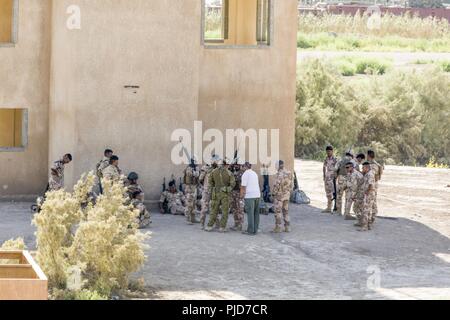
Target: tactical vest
x=189, y=180
x=342, y=171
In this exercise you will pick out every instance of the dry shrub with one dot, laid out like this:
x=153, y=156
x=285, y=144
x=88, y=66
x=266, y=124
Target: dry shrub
x=86, y=248
x=12, y=245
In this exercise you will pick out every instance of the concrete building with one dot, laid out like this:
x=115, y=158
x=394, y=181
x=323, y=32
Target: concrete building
x=81, y=75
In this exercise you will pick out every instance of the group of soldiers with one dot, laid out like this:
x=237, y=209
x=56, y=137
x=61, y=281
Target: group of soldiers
x=107, y=169
x=356, y=180
x=215, y=188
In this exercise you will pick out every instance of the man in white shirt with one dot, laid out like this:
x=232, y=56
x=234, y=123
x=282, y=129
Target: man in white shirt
x=251, y=193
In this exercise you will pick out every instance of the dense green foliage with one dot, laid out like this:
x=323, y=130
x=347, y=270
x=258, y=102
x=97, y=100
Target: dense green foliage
x=404, y=116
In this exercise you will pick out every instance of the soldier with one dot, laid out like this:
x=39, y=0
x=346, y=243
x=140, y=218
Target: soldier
x=329, y=176
x=360, y=159
x=112, y=172
x=341, y=183
x=378, y=172
x=354, y=180
x=282, y=193
x=56, y=180
x=368, y=191
x=206, y=196
x=191, y=176
x=102, y=164
x=221, y=182
x=137, y=197
x=237, y=203
x=175, y=200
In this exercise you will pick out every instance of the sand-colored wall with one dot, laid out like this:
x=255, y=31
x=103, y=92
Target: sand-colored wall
x=254, y=87
x=6, y=15
x=24, y=79
x=152, y=44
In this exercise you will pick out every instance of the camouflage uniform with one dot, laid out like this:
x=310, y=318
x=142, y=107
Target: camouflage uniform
x=101, y=165
x=341, y=183
x=222, y=182
x=206, y=195
x=354, y=181
x=191, y=176
x=144, y=219
x=56, y=181
x=174, y=202
x=329, y=166
x=281, y=193
x=237, y=204
x=112, y=173
x=378, y=172
x=369, y=198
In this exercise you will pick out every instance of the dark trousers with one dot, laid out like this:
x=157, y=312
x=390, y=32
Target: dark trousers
x=252, y=210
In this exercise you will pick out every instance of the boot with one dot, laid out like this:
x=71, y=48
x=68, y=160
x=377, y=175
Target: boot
x=208, y=229
x=223, y=230
x=363, y=229
x=236, y=228
x=287, y=229
x=349, y=217
x=328, y=209
x=276, y=230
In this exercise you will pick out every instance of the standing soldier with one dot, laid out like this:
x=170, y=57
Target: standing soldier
x=191, y=177
x=206, y=196
x=360, y=159
x=237, y=203
x=137, y=197
x=101, y=165
x=112, y=172
x=354, y=180
x=282, y=193
x=175, y=200
x=342, y=180
x=378, y=172
x=368, y=191
x=56, y=180
x=221, y=184
x=329, y=176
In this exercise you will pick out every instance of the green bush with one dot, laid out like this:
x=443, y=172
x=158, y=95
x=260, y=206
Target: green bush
x=404, y=116
x=445, y=65
x=371, y=66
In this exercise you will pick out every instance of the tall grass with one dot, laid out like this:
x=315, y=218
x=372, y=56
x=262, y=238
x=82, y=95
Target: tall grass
x=406, y=26
x=351, y=33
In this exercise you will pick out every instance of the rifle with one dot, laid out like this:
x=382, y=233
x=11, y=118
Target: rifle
x=181, y=185
x=165, y=205
x=164, y=186
x=296, y=186
x=266, y=188
x=335, y=194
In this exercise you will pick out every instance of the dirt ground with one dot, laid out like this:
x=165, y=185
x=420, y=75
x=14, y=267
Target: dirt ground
x=406, y=256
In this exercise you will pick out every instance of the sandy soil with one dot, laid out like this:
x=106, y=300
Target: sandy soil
x=406, y=256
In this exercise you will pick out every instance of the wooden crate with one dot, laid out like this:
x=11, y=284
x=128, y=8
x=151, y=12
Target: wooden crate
x=21, y=278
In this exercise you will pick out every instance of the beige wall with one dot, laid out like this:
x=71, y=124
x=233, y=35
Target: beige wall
x=254, y=87
x=6, y=10
x=152, y=44
x=155, y=45
x=24, y=78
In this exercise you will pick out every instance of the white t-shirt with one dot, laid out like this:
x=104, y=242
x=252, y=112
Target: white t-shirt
x=250, y=181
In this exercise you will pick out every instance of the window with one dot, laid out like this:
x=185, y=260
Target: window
x=8, y=9
x=13, y=128
x=237, y=22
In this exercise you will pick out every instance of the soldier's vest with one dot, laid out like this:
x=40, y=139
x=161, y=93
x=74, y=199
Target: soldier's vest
x=222, y=180
x=238, y=176
x=342, y=171
x=189, y=179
